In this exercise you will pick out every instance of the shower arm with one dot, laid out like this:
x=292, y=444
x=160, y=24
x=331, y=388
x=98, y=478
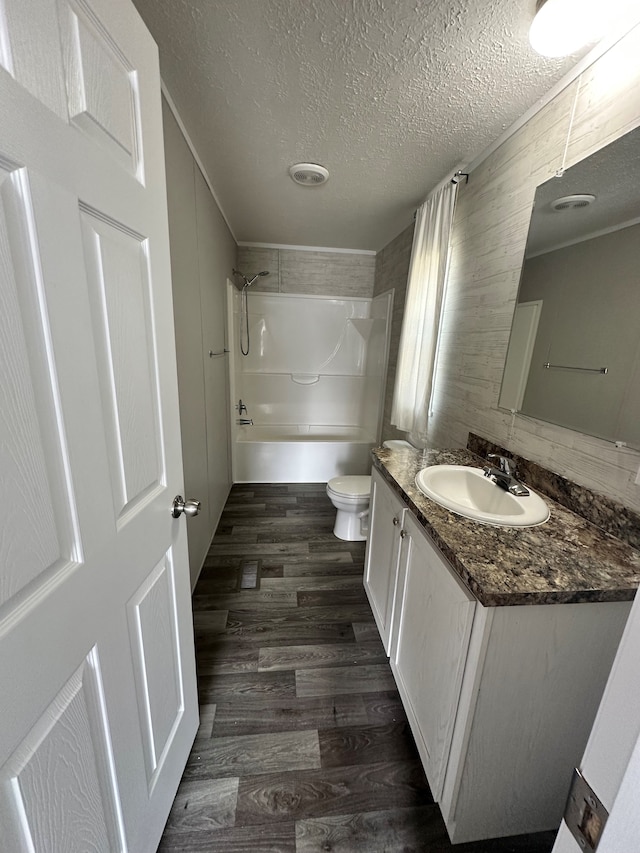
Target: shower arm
x=248, y=281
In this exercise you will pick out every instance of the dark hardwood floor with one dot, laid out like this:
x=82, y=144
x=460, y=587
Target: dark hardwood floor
x=303, y=745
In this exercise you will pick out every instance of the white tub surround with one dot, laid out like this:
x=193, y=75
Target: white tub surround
x=312, y=383
x=302, y=453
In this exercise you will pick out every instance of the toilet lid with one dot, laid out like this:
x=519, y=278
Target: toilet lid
x=352, y=485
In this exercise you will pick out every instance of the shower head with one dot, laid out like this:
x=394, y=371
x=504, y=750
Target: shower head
x=249, y=281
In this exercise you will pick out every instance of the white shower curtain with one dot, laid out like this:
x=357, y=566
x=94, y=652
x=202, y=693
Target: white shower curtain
x=422, y=313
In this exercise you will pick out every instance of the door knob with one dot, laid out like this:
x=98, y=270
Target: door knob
x=188, y=507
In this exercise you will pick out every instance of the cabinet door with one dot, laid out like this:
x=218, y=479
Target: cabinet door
x=383, y=548
x=429, y=642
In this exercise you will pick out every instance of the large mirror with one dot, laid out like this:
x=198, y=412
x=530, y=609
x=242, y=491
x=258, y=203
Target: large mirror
x=574, y=350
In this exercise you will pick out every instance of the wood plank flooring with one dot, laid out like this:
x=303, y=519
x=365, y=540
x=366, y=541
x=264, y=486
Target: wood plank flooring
x=303, y=745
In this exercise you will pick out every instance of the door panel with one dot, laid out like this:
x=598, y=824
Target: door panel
x=101, y=84
x=119, y=280
x=152, y=617
x=32, y=486
x=28, y=52
x=68, y=748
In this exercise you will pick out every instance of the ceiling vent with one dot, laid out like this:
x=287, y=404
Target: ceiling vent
x=308, y=174
x=571, y=202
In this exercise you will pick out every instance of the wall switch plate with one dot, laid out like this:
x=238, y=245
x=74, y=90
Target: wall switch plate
x=584, y=814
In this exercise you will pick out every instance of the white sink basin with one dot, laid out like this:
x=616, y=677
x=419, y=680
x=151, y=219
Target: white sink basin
x=468, y=492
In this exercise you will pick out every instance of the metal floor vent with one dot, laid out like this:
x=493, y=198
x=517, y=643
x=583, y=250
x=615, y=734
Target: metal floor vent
x=250, y=574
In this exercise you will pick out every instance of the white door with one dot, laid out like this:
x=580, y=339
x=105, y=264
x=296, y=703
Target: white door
x=526, y=319
x=97, y=685
x=611, y=761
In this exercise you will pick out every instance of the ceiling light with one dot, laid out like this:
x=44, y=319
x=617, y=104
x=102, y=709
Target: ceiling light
x=308, y=174
x=561, y=27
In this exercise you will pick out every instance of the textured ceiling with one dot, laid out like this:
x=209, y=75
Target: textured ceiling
x=389, y=95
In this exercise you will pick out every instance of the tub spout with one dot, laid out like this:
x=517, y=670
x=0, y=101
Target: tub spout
x=245, y=421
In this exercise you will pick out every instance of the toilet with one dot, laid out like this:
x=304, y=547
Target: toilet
x=350, y=496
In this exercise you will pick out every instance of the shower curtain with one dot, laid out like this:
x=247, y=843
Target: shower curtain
x=423, y=309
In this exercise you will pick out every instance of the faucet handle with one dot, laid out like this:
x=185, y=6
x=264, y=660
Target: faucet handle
x=506, y=465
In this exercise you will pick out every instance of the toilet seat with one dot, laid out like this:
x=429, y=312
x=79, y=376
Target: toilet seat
x=355, y=487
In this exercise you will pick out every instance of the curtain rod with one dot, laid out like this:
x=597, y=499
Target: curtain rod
x=457, y=176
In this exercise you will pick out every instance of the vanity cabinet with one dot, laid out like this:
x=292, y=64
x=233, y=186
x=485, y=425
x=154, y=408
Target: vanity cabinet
x=424, y=616
x=500, y=700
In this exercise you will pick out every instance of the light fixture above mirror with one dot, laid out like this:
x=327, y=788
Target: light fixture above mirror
x=562, y=27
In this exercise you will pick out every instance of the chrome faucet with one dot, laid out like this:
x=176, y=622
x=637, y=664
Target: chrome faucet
x=504, y=475
x=244, y=421
x=241, y=407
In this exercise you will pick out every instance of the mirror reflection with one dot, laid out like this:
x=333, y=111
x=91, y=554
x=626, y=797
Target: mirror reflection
x=574, y=350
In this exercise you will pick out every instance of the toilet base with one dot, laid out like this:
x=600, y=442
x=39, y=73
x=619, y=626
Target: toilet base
x=348, y=526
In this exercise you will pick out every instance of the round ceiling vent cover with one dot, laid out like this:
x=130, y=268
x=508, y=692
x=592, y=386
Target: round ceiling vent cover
x=571, y=202
x=308, y=174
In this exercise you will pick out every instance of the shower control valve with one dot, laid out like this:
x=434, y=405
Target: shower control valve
x=241, y=407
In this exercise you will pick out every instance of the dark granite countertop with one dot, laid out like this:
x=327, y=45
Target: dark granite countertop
x=565, y=560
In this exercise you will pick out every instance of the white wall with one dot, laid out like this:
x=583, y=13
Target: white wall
x=590, y=298
x=488, y=241
x=202, y=256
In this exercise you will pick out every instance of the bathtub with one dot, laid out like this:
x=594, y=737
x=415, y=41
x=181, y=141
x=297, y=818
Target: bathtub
x=293, y=453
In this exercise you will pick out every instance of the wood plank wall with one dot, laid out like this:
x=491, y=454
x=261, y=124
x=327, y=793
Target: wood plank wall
x=349, y=274
x=488, y=244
